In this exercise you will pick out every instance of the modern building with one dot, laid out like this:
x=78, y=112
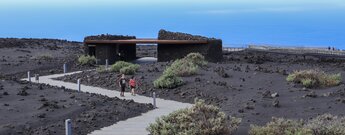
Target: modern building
x=170, y=46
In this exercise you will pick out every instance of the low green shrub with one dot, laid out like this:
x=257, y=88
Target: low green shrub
x=322, y=125
x=327, y=124
x=314, y=78
x=46, y=56
x=124, y=67
x=129, y=70
x=280, y=126
x=200, y=119
x=87, y=60
x=186, y=66
x=168, y=80
x=308, y=82
x=182, y=67
x=101, y=69
x=118, y=65
x=196, y=58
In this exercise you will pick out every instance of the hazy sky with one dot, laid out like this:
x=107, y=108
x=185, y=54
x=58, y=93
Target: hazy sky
x=282, y=22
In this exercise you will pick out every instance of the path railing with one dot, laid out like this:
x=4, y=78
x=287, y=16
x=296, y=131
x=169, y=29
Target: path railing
x=233, y=49
x=237, y=48
x=293, y=50
x=298, y=50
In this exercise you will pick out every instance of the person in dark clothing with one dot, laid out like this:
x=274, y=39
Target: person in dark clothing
x=122, y=84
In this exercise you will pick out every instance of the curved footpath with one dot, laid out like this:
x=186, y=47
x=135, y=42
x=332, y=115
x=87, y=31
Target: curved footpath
x=132, y=126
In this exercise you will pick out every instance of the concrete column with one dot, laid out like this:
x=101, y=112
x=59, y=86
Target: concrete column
x=79, y=88
x=106, y=64
x=64, y=68
x=68, y=127
x=29, y=76
x=154, y=99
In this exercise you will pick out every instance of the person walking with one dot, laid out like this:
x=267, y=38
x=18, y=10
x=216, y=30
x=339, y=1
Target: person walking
x=132, y=85
x=122, y=84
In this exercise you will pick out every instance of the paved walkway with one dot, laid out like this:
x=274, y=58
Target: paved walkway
x=144, y=60
x=132, y=126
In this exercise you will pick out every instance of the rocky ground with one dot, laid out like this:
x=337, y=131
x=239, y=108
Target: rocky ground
x=146, y=51
x=18, y=55
x=248, y=84
x=41, y=109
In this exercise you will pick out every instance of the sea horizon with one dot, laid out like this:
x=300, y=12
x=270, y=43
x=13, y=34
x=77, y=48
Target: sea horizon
x=224, y=45
x=308, y=23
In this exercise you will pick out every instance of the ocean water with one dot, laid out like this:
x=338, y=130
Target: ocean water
x=306, y=23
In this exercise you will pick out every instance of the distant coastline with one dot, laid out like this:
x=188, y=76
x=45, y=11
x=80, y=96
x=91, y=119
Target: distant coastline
x=236, y=45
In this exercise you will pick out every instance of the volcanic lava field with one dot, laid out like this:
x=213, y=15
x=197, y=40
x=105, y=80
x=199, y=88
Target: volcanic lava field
x=247, y=84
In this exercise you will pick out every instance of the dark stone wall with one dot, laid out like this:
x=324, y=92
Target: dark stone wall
x=104, y=52
x=168, y=35
x=166, y=52
x=86, y=49
x=111, y=51
x=108, y=37
x=215, y=50
x=129, y=51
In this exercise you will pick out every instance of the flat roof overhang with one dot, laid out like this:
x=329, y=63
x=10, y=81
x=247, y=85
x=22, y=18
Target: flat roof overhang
x=145, y=41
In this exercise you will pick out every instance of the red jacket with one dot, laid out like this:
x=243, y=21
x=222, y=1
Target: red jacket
x=132, y=82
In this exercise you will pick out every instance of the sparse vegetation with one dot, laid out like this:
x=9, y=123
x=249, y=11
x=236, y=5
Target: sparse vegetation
x=182, y=67
x=168, y=80
x=280, y=126
x=314, y=78
x=101, y=69
x=322, y=125
x=87, y=60
x=186, y=66
x=201, y=119
x=118, y=65
x=124, y=67
x=129, y=70
x=46, y=56
x=196, y=58
x=327, y=124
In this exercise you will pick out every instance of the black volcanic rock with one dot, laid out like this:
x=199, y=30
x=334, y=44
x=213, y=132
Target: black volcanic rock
x=108, y=37
x=211, y=49
x=167, y=35
x=31, y=42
